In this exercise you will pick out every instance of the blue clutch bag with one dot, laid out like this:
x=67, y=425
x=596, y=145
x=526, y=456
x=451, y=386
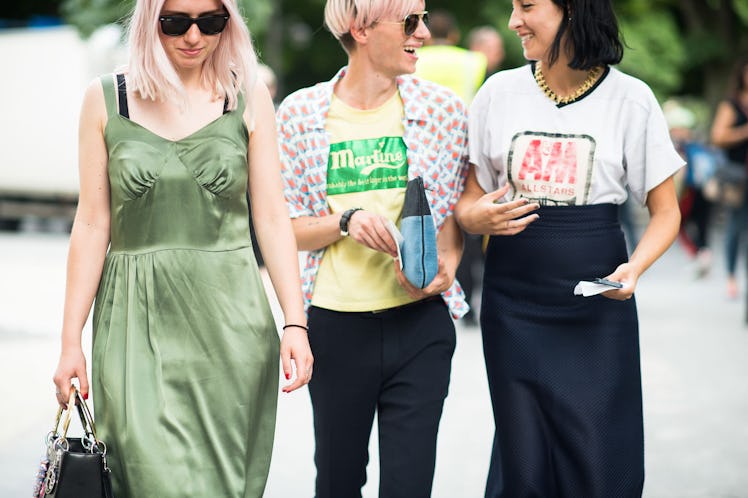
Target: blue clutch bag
x=418, y=246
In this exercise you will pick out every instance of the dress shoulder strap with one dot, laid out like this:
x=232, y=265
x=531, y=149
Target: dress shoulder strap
x=122, y=96
x=115, y=99
x=241, y=104
x=110, y=99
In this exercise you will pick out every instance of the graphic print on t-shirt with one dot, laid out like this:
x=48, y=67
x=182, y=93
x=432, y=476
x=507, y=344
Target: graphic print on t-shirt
x=550, y=168
x=369, y=164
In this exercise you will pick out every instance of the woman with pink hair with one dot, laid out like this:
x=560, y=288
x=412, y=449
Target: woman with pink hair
x=185, y=349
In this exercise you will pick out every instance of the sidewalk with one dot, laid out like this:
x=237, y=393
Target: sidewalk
x=693, y=343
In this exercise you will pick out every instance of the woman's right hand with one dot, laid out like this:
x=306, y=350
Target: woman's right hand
x=482, y=213
x=488, y=216
x=72, y=365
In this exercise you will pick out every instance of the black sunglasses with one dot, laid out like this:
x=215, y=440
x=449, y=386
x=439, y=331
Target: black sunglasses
x=179, y=24
x=411, y=21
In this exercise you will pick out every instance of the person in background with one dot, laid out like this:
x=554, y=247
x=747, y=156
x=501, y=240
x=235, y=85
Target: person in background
x=487, y=41
x=462, y=71
x=553, y=146
x=730, y=132
x=381, y=345
x=694, y=207
x=266, y=74
x=185, y=347
x=443, y=62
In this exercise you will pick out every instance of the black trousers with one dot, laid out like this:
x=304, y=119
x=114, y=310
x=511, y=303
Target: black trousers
x=395, y=362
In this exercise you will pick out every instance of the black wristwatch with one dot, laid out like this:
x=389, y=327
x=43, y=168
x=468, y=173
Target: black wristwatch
x=345, y=219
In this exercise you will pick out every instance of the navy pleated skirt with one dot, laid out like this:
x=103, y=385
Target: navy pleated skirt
x=563, y=370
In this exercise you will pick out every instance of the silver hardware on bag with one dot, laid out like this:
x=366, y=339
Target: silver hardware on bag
x=57, y=443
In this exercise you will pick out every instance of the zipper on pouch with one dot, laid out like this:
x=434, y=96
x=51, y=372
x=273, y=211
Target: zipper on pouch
x=421, y=210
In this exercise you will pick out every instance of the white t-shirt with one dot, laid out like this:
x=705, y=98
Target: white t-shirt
x=582, y=153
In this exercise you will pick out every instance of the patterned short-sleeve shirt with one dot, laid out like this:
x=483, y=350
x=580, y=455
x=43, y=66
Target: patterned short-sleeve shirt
x=435, y=123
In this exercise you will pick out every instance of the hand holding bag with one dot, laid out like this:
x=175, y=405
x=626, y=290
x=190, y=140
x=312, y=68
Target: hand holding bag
x=76, y=467
x=418, y=247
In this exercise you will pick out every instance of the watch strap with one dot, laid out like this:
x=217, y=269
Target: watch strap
x=345, y=219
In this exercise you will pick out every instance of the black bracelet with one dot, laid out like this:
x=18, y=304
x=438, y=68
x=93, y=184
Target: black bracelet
x=306, y=329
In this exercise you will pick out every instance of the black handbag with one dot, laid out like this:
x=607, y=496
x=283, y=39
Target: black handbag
x=75, y=467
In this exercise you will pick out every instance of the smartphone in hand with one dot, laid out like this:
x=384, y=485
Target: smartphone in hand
x=611, y=283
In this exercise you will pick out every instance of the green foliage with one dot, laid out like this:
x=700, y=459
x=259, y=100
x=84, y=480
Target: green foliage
x=88, y=15
x=497, y=14
x=654, y=52
x=676, y=46
x=256, y=14
x=741, y=9
x=298, y=46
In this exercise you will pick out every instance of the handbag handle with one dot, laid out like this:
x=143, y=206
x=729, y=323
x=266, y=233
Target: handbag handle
x=86, y=418
x=55, y=437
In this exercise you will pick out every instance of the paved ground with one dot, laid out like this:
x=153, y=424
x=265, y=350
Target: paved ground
x=694, y=345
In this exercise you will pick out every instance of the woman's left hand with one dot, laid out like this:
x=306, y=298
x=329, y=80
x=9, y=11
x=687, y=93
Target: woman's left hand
x=295, y=347
x=626, y=274
x=442, y=281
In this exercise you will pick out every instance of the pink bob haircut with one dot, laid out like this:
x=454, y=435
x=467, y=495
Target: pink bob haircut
x=341, y=16
x=229, y=70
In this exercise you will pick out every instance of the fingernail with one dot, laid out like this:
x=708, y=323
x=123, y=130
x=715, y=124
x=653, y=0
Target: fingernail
x=85, y=396
x=288, y=376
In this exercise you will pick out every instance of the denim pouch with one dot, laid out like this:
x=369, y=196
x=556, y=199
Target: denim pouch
x=418, y=247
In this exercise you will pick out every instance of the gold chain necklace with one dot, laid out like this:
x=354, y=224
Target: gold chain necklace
x=581, y=90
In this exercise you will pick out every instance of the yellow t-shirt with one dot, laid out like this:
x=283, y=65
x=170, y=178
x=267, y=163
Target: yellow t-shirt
x=367, y=168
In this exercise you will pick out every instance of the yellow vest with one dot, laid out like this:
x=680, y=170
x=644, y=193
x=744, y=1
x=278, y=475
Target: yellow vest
x=459, y=69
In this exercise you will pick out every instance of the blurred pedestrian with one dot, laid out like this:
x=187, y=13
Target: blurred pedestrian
x=554, y=145
x=185, y=348
x=381, y=345
x=730, y=132
x=487, y=41
x=695, y=208
x=443, y=62
x=266, y=74
x=463, y=71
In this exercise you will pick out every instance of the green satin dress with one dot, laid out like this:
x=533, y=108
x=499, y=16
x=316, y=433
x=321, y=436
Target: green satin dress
x=185, y=349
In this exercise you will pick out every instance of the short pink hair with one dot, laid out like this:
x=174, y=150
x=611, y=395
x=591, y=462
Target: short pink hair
x=341, y=16
x=230, y=69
